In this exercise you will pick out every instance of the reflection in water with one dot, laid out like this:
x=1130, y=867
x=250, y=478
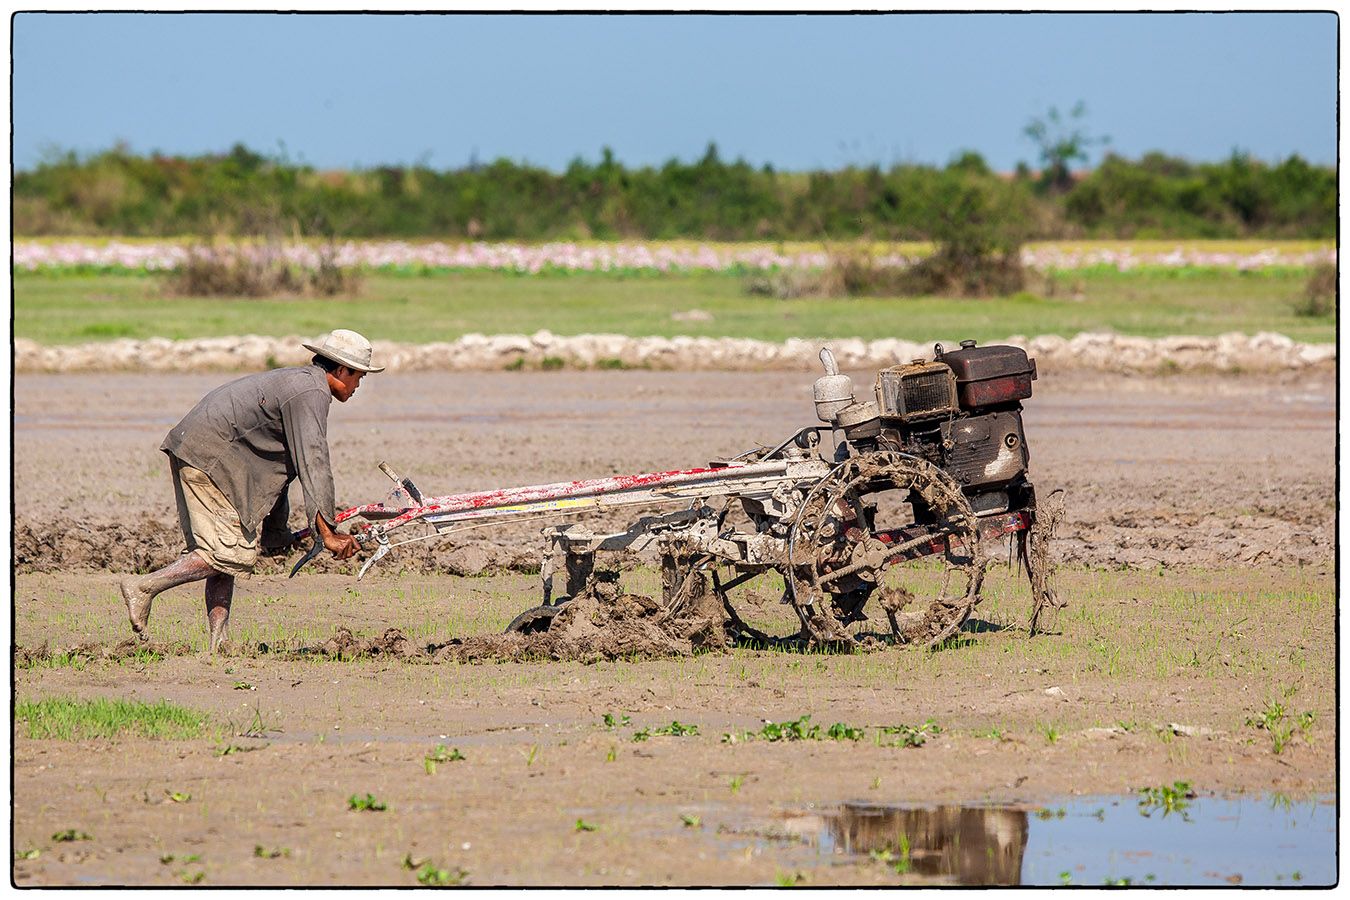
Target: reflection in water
x=969, y=845
x=1087, y=841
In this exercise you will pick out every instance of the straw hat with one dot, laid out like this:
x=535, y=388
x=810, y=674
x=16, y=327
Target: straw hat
x=347, y=348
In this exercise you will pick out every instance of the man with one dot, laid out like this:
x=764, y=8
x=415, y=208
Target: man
x=232, y=459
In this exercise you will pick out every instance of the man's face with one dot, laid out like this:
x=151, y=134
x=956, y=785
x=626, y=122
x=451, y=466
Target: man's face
x=343, y=382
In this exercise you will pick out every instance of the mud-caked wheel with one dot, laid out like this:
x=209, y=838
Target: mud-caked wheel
x=535, y=620
x=1033, y=549
x=841, y=543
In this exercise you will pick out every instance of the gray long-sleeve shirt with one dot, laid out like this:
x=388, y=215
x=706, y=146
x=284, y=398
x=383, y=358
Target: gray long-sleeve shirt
x=253, y=435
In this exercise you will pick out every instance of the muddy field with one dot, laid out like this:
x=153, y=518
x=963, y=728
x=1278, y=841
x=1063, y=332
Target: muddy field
x=1198, y=559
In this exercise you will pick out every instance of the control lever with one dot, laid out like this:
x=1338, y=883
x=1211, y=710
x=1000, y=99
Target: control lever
x=405, y=483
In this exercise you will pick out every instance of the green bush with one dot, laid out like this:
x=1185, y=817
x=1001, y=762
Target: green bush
x=1319, y=296
x=232, y=270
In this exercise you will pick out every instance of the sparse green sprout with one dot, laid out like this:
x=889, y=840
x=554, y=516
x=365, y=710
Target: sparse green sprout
x=441, y=754
x=675, y=729
x=611, y=723
x=1175, y=798
x=735, y=783
x=640, y=736
x=72, y=834
x=1066, y=877
x=691, y=821
x=191, y=877
x=431, y=876
x=902, y=864
x=258, y=727
x=583, y=825
x=785, y=879
x=1274, y=720
x=263, y=853
x=368, y=803
x=178, y=796
x=1050, y=732
x=911, y=735
x=531, y=754
x=799, y=730
x=27, y=854
x=1045, y=814
x=841, y=732
x=611, y=755
x=244, y=686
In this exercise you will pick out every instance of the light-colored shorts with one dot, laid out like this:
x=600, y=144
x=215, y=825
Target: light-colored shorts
x=210, y=523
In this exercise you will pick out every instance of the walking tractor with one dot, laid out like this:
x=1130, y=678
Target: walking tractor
x=906, y=495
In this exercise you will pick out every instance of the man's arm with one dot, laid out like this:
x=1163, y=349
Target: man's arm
x=304, y=419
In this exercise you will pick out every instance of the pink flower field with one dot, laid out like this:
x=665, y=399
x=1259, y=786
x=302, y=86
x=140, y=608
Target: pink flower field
x=382, y=255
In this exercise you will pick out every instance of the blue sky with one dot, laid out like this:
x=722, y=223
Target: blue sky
x=798, y=92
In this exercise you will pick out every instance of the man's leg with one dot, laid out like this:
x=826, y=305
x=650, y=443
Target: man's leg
x=139, y=592
x=219, y=593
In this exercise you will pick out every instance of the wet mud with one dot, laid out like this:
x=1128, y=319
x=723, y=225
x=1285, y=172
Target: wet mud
x=147, y=543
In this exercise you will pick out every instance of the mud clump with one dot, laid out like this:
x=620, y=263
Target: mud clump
x=602, y=623
x=131, y=648
x=149, y=542
x=137, y=546
x=344, y=645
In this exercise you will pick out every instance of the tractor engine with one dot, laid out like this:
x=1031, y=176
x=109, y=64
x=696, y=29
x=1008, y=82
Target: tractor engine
x=962, y=412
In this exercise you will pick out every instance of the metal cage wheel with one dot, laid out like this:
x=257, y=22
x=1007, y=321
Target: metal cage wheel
x=838, y=551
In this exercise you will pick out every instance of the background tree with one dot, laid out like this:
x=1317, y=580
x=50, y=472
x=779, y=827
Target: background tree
x=1061, y=141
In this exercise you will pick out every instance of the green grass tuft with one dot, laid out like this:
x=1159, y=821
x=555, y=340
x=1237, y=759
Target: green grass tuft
x=71, y=719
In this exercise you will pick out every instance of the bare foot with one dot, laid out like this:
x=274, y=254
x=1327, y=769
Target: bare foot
x=138, y=606
x=220, y=637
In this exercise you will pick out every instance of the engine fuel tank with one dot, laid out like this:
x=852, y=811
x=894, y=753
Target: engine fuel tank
x=988, y=376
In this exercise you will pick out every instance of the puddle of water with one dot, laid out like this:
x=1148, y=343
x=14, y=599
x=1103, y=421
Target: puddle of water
x=1088, y=841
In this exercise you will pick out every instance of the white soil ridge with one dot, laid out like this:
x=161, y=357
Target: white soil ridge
x=1096, y=351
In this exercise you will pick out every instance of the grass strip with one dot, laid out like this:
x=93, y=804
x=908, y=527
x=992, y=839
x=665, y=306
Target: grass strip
x=73, y=719
x=446, y=307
